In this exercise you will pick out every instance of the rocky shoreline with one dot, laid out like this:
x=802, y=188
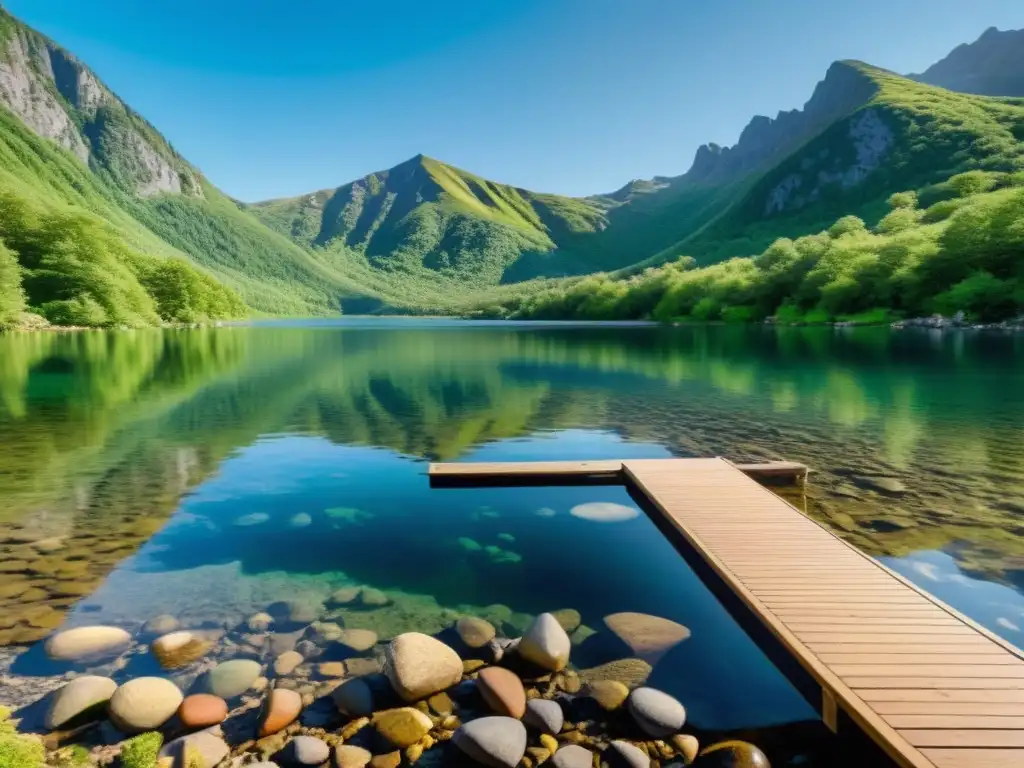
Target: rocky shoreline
x=296, y=686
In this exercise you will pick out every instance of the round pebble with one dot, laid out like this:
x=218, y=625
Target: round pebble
x=503, y=691
x=144, y=704
x=497, y=742
x=474, y=632
x=544, y=715
x=281, y=709
x=657, y=713
x=202, y=710
x=232, y=678
x=86, y=642
x=78, y=699
x=307, y=750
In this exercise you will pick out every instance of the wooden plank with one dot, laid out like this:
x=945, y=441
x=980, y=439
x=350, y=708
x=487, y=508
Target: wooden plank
x=944, y=659
x=953, y=683
x=941, y=708
x=979, y=651
x=961, y=737
x=523, y=468
x=974, y=758
x=965, y=671
x=961, y=721
x=964, y=696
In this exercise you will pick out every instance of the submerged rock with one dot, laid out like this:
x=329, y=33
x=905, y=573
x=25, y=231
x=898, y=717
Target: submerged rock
x=287, y=663
x=160, y=625
x=281, y=709
x=402, y=727
x=474, y=632
x=569, y=618
x=144, y=704
x=687, y=746
x=345, y=595
x=497, y=742
x=179, y=649
x=232, y=678
x=573, y=756
x=202, y=710
x=353, y=698
x=373, y=598
x=609, y=694
x=81, y=699
x=307, y=750
x=629, y=672
x=204, y=749
x=604, y=512
x=731, y=754
x=622, y=754
x=418, y=665
x=349, y=756
x=358, y=640
x=649, y=637
x=657, y=713
x=259, y=622
x=301, y=520
x=86, y=642
x=247, y=521
x=545, y=643
x=544, y=715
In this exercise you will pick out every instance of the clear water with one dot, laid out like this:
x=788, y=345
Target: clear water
x=207, y=473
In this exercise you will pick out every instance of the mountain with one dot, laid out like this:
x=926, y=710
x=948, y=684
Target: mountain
x=424, y=214
x=993, y=65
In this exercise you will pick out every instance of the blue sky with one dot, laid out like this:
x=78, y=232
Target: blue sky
x=273, y=98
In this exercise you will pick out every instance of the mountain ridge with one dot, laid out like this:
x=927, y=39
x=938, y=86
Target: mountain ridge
x=992, y=65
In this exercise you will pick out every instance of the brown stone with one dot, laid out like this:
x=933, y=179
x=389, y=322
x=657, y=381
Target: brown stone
x=390, y=760
x=349, y=756
x=201, y=710
x=331, y=669
x=687, y=746
x=358, y=640
x=731, y=754
x=609, y=694
x=649, y=637
x=503, y=691
x=286, y=663
x=441, y=704
x=474, y=632
x=281, y=709
x=402, y=727
x=469, y=666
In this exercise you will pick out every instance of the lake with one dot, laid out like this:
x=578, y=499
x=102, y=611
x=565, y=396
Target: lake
x=210, y=473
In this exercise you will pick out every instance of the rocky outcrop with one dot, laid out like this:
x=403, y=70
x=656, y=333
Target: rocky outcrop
x=993, y=65
x=844, y=89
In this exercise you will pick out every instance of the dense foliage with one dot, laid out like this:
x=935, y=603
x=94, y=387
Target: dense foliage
x=961, y=254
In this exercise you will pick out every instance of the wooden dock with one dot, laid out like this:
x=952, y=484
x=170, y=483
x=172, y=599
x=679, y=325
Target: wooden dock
x=930, y=687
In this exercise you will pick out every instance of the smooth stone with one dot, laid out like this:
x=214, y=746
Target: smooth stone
x=402, y=727
x=161, y=625
x=350, y=756
x=144, y=704
x=360, y=667
x=544, y=715
x=308, y=649
x=202, y=710
x=373, y=598
x=441, y=704
x=390, y=760
x=308, y=750
x=573, y=756
x=79, y=699
x=282, y=708
x=232, y=678
x=657, y=713
x=503, y=691
x=259, y=622
x=545, y=643
x=295, y=612
x=604, y=512
x=609, y=694
x=630, y=672
x=86, y=642
x=622, y=754
x=354, y=698
x=687, y=746
x=887, y=485
x=474, y=632
x=287, y=663
x=345, y=595
x=207, y=748
x=324, y=632
x=300, y=520
x=732, y=754
x=649, y=637
x=497, y=742
x=179, y=649
x=569, y=618
x=358, y=640
x=418, y=665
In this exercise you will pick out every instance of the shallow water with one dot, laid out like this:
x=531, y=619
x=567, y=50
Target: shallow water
x=207, y=473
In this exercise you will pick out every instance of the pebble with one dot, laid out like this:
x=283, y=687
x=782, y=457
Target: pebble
x=360, y=667
x=331, y=669
x=208, y=746
x=657, y=713
x=202, y=710
x=78, y=699
x=353, y=698
x=441, y=704
x=548, y=742
x=345, y=595
x=358, y=640
x=287, y=662
x=402, y=727
x=281, y=709
x=307, y=750
x=390, y=760
x=569, y=618
x=418, y=665
x=629, y=672
x=622, y=754
x=373, y=598
x=161, y=625
x=144, y=704
x=609, y=694
x=687, y=746
x=503, y=691
x=474, y=632
x=324, y=632
x=497, y=742
x=545, y=643
x=350, y=756
x=232, y=678
x=179, y=649
x=544, y=715
x=573, y=756
x=732, y=754
x=259, y=622
x=86, y=642
x=649, y=637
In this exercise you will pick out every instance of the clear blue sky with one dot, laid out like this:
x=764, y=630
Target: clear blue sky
x=273, y=98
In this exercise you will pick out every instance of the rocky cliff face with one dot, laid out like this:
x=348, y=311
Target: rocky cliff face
x=766, y=140
x=993, y=65
x=60, y=99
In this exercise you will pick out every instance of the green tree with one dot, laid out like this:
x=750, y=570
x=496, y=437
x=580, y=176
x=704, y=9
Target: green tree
x=847, y=225
x=972, y=183
x=903, y=200
x=12, y=297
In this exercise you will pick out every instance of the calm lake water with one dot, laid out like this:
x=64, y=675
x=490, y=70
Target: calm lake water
x=208, y=473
